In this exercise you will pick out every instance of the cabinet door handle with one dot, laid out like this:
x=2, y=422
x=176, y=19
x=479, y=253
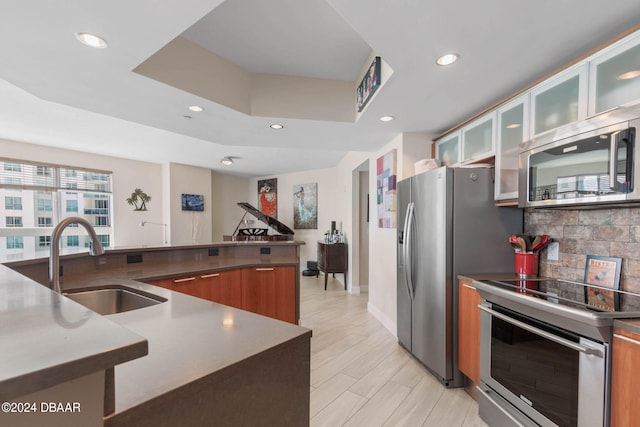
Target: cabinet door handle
x=631, y=340
x=265, y=269
x=186, y=279
x=206, y=276
x=469, y=286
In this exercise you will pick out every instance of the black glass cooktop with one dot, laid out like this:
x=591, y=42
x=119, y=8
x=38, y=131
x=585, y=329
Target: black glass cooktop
x=573, y=294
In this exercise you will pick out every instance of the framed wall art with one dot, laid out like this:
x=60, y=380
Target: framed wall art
x=604, y=273
x=268, y=197
x=369, y=84
x=386, y=190
x=192, y=202
x=305, y=206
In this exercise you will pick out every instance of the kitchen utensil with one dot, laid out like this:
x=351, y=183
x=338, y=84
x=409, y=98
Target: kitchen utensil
x=544, y=240
x=527, y=240
x=516, y=247
x=523, y=244
x=535, y=242
x=513, y=241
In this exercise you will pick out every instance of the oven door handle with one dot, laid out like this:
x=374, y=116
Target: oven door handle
x=544, y=334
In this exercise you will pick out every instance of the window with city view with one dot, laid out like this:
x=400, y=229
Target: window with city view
x=37, y=196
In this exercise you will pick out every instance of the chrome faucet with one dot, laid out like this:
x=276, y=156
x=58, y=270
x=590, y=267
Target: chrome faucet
x=54, y=259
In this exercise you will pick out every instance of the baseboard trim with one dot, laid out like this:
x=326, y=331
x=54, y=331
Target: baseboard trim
x=382, y=318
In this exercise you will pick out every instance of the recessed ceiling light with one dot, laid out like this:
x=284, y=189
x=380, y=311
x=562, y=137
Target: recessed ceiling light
x=227, y=161
x=186, y=116
x=513, y=126
x=196, y=108
x=447, y=59
x=91, y=40
x=386, y=118
x=629, y=75
x=276, y=126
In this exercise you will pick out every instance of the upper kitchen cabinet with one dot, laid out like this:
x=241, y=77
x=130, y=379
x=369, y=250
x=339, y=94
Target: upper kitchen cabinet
x=448, y=149
x=615, y=76
x=559, y=100
x=512, y=129
x=478, y=139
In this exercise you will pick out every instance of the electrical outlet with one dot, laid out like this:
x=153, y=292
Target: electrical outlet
x=553, y=251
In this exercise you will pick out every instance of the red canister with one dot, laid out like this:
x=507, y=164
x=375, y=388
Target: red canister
x=526, y=264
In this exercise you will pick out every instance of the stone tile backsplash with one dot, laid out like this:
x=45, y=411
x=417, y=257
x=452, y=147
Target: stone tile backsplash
x=606, y=232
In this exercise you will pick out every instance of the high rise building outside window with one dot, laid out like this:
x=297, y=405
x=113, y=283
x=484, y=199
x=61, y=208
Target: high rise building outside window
x=39, y=195
x=13, y=203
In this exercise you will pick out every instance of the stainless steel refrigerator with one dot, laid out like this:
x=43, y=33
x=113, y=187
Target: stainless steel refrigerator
x=448, y=224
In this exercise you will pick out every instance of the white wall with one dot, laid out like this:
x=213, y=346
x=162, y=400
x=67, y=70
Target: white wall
x=330, y=190
x=382, y=241
x=226, y=192
x=337, y=198
x=189, y=227
x=127, y=176
x=365, y=197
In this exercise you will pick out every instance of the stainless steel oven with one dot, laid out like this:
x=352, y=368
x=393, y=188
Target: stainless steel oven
x=545, y=352
x=534, y=373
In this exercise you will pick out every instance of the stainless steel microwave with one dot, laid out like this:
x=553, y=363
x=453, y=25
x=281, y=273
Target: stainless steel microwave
x=591, y=162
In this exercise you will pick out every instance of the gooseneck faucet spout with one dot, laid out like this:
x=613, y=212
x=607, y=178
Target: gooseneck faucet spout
x=54, y=258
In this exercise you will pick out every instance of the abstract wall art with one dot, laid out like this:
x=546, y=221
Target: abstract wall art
x=305, y=206
x=386, y=190
x=268, y=197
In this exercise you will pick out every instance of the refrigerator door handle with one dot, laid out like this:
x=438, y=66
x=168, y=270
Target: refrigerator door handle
x=408, y=253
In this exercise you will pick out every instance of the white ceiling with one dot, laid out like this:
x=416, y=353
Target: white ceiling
x=286, y=37
x=54, y=91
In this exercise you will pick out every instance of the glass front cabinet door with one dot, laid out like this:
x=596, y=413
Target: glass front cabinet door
x=559, y=100
x=478, y=139
x=448, y=149
x=614, y=77
x=513, y=129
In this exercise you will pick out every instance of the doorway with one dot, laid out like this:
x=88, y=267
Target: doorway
x=361, y=214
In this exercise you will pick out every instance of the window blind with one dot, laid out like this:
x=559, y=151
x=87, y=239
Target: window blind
x=26, y=175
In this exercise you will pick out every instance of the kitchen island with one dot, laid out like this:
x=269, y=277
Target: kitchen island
x=208, y=364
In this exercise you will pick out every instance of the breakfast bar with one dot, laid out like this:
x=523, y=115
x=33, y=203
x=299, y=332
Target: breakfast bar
x=207, y=363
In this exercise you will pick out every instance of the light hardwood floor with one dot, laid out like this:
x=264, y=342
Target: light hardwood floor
x=360, y=376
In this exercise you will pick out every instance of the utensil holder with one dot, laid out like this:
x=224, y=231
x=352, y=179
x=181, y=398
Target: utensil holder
x=526, y=264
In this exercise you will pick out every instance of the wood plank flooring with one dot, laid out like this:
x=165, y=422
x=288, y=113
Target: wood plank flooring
x=360, y=376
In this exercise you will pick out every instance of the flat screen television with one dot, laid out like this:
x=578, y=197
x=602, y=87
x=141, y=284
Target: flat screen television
x=192, y=202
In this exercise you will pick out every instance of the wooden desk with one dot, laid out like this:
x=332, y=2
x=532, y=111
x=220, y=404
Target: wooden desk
x=332, y=258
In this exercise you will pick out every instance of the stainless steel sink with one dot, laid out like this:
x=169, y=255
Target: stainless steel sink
x=112, y=299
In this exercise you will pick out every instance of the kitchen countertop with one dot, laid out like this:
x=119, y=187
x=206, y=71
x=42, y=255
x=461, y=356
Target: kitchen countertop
x=43, y=255
x=631, y=325
x=48, y=339
x=493, y=276
x=188, y=338
x=163, y=271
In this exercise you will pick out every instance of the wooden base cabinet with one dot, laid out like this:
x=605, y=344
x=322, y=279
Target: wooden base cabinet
x=469, y=330
x=270, y=291
x=332, y=258
x=224, y=287
x=625, y=367
x=189, y=285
